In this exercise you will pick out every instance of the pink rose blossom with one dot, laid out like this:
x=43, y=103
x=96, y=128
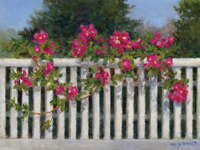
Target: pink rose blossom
x=24, y=72
x=73, y=90
x=157, y=36
x=46, y=71
x=40, y=37
x=52, y=44
x=98, y=76
x=37, y=49
x=136, y=45
x=144, y=45
x=124, y=37
x=48, y=51
x=170, y=39
x=59, y=89
x=50, y=66
x=167, y=45
x=172, y=96
x=139, y=40
x=26, y=81
x=168, y=61
x=126, y=64
x=98, y=51
x=153, y=41
x=100, y=40
x=160, y=44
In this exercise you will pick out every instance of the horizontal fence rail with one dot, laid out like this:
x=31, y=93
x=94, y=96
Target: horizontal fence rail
x=136, y=109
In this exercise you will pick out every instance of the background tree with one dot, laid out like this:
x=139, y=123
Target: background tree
x=187, y=28
x=165, y=31
x=62, y=18
x=5, y=37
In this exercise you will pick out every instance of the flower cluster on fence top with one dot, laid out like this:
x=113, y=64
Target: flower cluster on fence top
x=89, y=44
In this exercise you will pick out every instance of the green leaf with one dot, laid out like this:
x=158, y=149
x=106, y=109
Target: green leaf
x=60, y=75
x=94, y=68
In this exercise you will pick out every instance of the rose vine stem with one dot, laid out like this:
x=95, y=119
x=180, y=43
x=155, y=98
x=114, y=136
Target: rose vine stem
x=161, y=76
x=67, y=97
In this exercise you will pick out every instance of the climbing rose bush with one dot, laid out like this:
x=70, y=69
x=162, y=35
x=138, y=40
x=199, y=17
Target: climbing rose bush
x=153, y=52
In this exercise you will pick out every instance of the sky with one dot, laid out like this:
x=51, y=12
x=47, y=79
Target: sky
x=15, y=13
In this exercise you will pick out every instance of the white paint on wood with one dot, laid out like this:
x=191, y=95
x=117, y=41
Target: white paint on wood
x=72, y=106
x=84, y=109
x=153, y=107
x=130, y=108
x=96, y=112
x=25, y=99
x=118, y=107
x=189, y=103
x=62, y=62
x=13, y=112
x=177, y=111
x=61, y=115
x=49, y=97
x=107, y=99
x=165, y=113
x=141, y=103
x=198, y=102
x=2, y=101
x=36, y=108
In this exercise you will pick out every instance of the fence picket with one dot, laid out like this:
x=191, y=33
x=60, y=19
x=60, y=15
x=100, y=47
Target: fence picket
x=61, y=115
x=72, y=106
x=177, y=110
x=13, y=112
x=189, y=103
x=118, y=107
x=198, y=102
x=153, y=107
x=130, y=108
x=2, y=101
x=141, y=103
x=107, y=109
x=107, y=100
x=96, y=113
x=48, y=98
x=25, y=96
x=36, y=108
x=84, y=109
x=165, y=114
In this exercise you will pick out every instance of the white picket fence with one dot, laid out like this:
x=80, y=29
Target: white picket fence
x=118, y=116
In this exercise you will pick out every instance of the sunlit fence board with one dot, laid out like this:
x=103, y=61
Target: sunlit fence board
x=141, y=103
x=153, y=107
x=2, y=101
x=107, y=99
x=13, y=112
x=25, y=98
x=72, y=106
x=189, y=103
x=130, y=108
x=165, y=113
x=36, y=108
x=118, y=107
x=61, y=115
x=177, y=111
x=84, y=109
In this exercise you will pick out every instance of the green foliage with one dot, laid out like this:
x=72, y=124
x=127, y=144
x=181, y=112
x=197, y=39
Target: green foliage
x=62, y=18
x=188, y=29
x=46, y=125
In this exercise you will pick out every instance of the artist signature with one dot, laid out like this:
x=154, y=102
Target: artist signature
x=183, y=144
